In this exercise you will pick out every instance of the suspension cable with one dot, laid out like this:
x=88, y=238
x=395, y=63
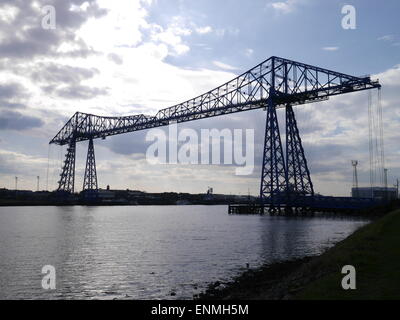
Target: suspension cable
x=381, y=133
x=371, y=146
x=376, y=140
x=48, y=166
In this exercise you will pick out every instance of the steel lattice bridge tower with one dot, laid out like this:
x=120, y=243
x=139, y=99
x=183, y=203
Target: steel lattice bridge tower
x=274, y=83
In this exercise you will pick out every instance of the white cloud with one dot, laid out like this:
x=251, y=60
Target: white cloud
x=172, y=39
x=388, y=37
x=221, y=32
x=286, y=6
x=390, y=77
x=248, y=52
x=173, y=35
x=224, y=66
x=120, y=27
x=8, y=13
x=234, y=31
x=26, y=167
x=283, y=6
x=330, y=48
x=204, y=30
x=141, y=78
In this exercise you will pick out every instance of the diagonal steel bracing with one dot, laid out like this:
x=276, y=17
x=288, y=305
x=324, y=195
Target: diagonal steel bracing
x=298, y=175
x=273, y=176
x=67, y=177
x=276, y=82
x=290, y=82
x=90, y=180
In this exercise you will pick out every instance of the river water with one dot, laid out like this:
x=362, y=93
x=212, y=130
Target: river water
x=165, y=252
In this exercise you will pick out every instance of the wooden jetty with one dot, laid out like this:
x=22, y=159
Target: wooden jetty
x=246, y=208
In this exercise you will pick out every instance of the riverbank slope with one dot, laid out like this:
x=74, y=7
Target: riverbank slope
x=374, y=251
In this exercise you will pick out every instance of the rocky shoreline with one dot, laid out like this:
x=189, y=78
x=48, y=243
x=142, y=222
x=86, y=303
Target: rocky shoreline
x=372, y=249
x=269, y=282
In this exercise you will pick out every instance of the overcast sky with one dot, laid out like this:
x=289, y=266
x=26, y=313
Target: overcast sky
x=126, y=57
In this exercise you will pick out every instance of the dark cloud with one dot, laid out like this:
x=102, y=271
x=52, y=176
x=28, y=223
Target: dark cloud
x=115, y=58
x=306, y=123
x=74, y=19
x=65, y=81
x=57, y=74
x=7, y=164
x=10, y=120
x=16, y=163
x=128, y=144
x=76, y=91
x=26, y=37
x=327, y=151
x=12, y=105
x=8, y=91
x=11, y=95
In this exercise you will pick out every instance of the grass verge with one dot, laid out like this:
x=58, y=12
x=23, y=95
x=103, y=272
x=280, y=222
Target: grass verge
x=374, y=251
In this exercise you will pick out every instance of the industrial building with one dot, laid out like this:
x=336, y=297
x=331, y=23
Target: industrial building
x=375, y=193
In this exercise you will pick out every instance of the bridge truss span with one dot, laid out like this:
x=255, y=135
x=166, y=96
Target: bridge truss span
x=274, y=83
x=284, y=81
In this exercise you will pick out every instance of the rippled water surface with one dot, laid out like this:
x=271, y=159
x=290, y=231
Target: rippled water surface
x=147, y=252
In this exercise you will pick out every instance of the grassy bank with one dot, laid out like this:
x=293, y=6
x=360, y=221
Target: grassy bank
x=374, y=250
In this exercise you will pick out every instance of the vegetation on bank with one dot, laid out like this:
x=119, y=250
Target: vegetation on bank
x=374, y=251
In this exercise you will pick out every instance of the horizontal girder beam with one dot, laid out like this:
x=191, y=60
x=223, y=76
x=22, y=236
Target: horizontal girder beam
x=289, y=82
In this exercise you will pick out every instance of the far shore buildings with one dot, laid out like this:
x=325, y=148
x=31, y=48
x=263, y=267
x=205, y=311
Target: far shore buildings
x=378, y=193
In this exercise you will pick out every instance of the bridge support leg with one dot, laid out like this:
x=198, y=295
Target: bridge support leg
x=299, y=182
x=90, y=180
x=273, y=176
x=67, y=177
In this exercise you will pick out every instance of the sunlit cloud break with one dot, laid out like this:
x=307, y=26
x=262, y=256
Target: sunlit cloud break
x=224, y=65
x=330, y=48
